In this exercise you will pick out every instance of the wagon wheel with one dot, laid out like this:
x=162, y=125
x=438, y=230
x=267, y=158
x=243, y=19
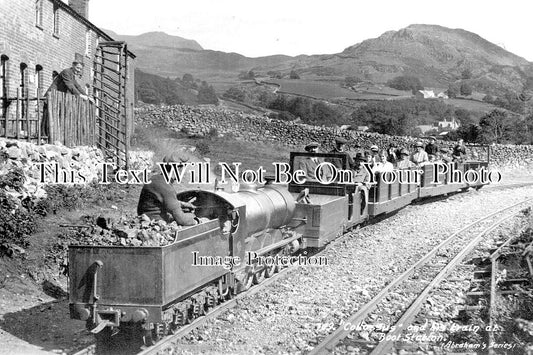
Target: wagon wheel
x=245, y=279
x=270, y=270
x=259, y=274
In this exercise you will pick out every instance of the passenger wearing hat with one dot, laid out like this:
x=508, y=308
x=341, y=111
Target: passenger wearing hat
x=374, y=155
x=158, y=199
x=445, y=155
x=459, y=151
x=420, y=157
x=361, y=174
x=340, y=144
x=393, y=154
x=309, y=164
x=431, y=147
x=405, y=162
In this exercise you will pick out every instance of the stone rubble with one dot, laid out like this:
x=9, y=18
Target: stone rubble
x=82, y=160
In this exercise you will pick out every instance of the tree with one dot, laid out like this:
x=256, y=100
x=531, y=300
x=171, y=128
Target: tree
x=294, y=75
x=453, y=91
x=466, y=89
x=249, y=75
x=406, y=82
x=235, y=93
x=188, y=78
x=495, y=127
x=350, y=81
x=488, y=99
x=466, y=74
x=206, y=94
x=463, y=116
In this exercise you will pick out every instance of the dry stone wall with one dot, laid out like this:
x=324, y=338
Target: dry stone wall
x=200, y=120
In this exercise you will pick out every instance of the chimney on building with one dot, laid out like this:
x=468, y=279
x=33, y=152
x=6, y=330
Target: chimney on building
x=80, y=6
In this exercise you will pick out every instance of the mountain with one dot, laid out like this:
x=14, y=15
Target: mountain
x=436, y=55
x=156, y=39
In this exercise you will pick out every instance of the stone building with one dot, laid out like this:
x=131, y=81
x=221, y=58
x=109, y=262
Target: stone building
x=39, y=38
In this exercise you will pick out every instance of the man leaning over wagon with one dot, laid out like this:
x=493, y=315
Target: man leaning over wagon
x=158, y=200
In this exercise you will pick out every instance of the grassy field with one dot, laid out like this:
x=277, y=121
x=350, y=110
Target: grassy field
x=475, y=106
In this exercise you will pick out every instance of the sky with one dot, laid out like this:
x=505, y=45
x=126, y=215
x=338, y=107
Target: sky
x=267, y=27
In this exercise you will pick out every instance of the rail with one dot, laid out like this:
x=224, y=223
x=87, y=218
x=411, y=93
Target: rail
x=329, y=343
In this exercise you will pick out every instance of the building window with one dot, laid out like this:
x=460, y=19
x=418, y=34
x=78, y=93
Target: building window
x=56, y=19
x=39, y=13
x=3, y=84
x=23, y=76
x=39, y=79
x=88, y=43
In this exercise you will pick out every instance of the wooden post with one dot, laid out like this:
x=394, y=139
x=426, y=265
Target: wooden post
x=28, y=114
x=39, y=116
x=17, y=117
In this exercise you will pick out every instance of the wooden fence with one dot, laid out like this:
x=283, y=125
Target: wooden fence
x=70, y=119
x=58, y=117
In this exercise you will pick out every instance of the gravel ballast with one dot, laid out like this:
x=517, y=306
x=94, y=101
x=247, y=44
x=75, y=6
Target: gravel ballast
x=295, y=314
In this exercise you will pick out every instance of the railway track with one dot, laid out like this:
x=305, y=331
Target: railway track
x=167, y=342
x=386, y=343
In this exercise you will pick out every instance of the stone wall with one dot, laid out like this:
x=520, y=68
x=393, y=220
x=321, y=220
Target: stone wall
x=85, y=161
x=200, y=120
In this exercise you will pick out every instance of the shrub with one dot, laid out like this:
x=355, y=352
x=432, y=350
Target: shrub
x=16, y=223
x=203, y=148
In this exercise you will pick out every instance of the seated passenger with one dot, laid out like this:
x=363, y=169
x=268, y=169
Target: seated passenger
x=375, y=156
x=340, y=148
x=420, y=157
x=158, y=200
x=445, y=155
x=383, y=165
x=393, y=154
x=459, y=151
x=405, y=163
x=431, y=147
x=361, y=175
x=309, y=164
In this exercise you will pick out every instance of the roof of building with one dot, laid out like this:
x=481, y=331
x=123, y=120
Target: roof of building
x=86, y=22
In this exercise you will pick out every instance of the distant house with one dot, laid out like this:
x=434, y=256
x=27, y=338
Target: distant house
x=442, y=95
x=448, y=125
x=425, y=94
x=363, y=128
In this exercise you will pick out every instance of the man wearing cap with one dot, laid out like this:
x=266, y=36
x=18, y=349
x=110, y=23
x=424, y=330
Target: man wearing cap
x=420, y=157
x=340, y=144
x=405, y=163
x=309, y=164
x=431, y=147
x=459, y=151
x=158, y=199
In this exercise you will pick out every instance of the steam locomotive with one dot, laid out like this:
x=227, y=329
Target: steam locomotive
x=152, y=290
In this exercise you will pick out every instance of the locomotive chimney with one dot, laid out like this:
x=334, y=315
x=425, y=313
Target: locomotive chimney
x=80, y=6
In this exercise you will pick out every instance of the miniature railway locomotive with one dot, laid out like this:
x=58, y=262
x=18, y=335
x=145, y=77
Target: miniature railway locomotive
x=153, y=290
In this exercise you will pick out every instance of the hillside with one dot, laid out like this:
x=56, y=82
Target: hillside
x=437, y=55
